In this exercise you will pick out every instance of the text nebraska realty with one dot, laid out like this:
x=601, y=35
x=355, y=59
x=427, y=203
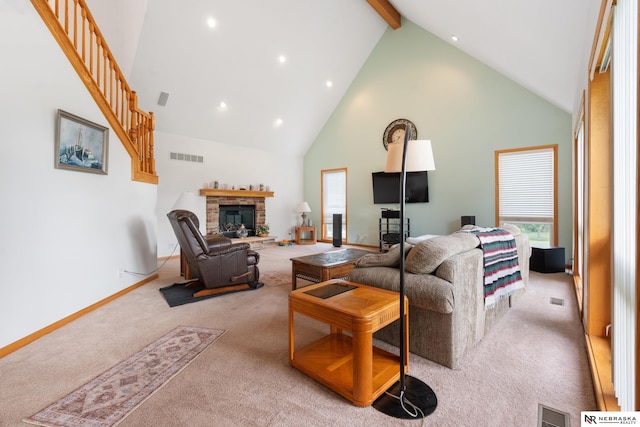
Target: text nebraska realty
x=610, y=419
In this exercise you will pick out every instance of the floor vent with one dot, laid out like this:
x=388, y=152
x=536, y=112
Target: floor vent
x=557, y=301
x=186, y=157
x=549, y=417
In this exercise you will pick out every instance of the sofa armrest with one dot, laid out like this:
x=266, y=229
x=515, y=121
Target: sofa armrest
x=465, y=272
x=524, y=253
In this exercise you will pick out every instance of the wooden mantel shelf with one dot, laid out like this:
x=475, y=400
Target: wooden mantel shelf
x=234, y=193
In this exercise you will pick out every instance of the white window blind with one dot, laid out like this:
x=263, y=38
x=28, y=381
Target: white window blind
x=526, y=185
x=625, y=204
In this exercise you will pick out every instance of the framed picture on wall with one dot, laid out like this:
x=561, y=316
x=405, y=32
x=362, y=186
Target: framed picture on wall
x=81, y=145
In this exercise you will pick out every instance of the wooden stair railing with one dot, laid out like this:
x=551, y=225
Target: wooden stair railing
x=76, y=32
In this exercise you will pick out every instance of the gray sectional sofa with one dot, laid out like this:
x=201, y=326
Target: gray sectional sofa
x=444, y=284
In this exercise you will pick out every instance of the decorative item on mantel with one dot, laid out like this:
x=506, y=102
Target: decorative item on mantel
x=242, y=231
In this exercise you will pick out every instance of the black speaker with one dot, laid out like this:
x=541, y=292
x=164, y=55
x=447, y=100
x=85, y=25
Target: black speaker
x=547, y=260
x=337, y=230
x=467, y=220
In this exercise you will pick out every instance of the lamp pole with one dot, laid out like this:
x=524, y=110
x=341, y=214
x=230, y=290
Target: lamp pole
x=409, y=398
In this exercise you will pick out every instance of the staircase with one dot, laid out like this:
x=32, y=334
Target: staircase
x=75, y=30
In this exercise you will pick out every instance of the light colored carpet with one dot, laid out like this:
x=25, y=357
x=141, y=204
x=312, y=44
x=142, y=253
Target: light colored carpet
x=535, y=354
x=109, y=398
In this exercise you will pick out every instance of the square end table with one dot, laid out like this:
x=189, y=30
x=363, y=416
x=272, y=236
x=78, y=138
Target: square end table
x=348, y=364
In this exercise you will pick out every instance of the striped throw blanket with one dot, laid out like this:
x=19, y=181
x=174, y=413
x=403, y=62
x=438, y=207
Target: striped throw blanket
x=501, y=269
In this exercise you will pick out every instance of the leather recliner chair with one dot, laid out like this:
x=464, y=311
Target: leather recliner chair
x=220, y=265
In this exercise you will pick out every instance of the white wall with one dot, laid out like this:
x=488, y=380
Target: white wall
x=120, y=22
x=64, y=235
x=226, y=164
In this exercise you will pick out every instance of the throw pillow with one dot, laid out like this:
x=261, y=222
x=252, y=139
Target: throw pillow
x=426, y=257
x=388, y=259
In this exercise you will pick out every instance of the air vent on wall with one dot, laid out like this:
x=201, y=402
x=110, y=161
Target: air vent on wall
x=186, y=157
x=549, y=417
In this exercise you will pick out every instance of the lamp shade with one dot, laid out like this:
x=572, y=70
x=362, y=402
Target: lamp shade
x=303, y=207
x=419, y=156
x=187, y=201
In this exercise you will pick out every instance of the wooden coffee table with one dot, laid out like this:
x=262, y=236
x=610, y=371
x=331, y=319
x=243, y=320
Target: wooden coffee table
x=324, y=266
x=349, y=365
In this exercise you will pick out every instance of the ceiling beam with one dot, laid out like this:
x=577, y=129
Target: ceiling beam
x=387, y=11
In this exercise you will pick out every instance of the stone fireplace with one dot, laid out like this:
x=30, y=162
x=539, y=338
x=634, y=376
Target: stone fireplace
x=217, y=198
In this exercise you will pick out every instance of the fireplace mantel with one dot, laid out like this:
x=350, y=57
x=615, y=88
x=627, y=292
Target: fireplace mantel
x=216, y=192
x=216, y=197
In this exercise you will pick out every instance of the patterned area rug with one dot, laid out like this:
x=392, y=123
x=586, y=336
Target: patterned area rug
x=275, y=278
x=109, y=398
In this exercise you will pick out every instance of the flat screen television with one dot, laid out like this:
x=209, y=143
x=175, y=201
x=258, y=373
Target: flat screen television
x=386, y=187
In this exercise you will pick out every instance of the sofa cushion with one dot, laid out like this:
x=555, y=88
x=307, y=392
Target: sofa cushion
x=426, y=256
x=416, y=240
x=424, y=291
x=513, y=229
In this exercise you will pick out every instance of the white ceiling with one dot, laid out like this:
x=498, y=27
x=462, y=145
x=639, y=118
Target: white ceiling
x=539, y=44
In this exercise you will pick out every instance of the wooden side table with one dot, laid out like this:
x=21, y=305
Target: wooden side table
x=348, y=364
x=311, y=237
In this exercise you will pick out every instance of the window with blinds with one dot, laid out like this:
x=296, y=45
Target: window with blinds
x=526, y=192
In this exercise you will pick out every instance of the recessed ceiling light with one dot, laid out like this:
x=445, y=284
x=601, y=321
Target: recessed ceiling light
x=329, y=83
x=454, y=38
x=282, y=59
x=278, y=122
x=211, y=22
x=222, y=106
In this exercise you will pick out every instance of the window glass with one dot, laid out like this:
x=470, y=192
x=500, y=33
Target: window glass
x=334, y=201
x=526, y=192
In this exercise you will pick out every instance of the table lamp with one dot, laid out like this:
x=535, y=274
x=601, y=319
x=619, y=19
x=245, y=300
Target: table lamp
x=409, y=398
x=303, y=208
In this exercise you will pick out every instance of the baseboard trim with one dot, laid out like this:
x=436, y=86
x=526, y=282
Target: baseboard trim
x=60, y=323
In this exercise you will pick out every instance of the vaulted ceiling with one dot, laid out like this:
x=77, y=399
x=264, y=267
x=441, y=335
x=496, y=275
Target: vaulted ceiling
x=270, y=63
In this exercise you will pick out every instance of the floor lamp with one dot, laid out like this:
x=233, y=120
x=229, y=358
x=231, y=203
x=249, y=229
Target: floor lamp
x=409, y=397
